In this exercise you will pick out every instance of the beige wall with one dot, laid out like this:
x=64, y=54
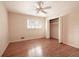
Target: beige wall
x=18, y=27
x=3, y=29
x=47, y=28
x=71, y=28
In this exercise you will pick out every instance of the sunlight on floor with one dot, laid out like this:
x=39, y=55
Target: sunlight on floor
x=36, y=51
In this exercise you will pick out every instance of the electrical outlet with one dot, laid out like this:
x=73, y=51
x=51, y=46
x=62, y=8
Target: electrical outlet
x=22, y=37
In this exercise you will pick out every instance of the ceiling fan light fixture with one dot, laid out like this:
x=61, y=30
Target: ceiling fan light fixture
x=40, y=7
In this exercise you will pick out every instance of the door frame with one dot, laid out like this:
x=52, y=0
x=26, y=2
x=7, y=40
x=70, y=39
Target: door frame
x=60, y=29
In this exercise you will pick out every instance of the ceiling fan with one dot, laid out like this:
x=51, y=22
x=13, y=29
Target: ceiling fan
x=41, y=7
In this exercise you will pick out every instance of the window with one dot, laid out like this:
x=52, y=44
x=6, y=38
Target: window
x=34, y=24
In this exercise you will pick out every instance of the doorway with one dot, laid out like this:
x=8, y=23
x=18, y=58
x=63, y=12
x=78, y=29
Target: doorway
x=54, y=27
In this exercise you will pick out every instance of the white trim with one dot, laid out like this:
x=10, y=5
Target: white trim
x=60, y=30
x=24, y=40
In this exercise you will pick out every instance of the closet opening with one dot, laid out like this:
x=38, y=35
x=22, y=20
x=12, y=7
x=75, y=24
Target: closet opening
x=54, y=29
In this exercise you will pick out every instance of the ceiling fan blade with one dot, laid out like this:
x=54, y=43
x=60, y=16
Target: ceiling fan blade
x=47, y=7
x=44, y=11
x=40, y=3
x=37, y=10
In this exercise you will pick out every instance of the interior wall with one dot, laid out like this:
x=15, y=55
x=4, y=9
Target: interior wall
x=3, y=29
x=54, y=27
x=18, y=27
x=71, y=28
x=47, y=28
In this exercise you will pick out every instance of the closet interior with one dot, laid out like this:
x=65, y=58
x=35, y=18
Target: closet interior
x=54, y=27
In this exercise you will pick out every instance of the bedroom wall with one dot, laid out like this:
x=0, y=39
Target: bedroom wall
x=3, y=29
x=71, y=28
x=18, y=27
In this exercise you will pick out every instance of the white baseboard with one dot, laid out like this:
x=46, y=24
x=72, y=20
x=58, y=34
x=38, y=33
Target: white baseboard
x=24, y=40
x=73, y=45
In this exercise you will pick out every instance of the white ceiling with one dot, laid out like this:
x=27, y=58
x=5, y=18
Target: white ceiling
x=28, y=7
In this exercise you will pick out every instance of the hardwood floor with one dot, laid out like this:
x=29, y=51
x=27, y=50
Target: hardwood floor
x=40, y=48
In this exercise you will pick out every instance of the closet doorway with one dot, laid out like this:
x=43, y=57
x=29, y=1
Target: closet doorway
x=54, y=29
